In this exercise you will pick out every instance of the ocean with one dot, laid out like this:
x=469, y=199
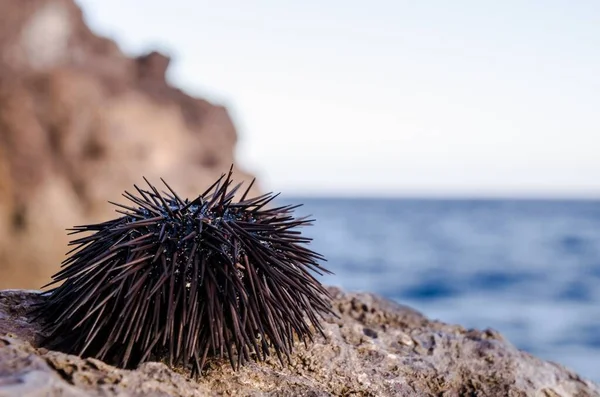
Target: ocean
x=527, y=268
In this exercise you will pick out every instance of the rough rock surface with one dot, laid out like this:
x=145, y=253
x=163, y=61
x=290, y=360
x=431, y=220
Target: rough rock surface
x=375, y=348
x=79, y=123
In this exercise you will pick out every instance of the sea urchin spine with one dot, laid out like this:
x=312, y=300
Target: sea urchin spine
x=178, y=280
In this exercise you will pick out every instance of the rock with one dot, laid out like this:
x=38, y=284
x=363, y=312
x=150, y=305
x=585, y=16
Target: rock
x=375, y=348
x=79, y=123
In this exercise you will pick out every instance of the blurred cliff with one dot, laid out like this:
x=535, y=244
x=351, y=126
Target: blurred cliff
x=79, y=123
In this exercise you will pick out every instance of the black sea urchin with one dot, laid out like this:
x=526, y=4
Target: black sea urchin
x=178, y=280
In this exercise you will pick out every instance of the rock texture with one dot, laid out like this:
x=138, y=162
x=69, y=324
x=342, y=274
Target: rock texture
x=79, y=123
x=375, y=348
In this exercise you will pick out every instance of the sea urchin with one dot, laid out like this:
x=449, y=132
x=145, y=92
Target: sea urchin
x=178, y=280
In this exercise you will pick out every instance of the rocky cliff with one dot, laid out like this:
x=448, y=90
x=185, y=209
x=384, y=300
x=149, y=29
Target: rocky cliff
x=79, y=123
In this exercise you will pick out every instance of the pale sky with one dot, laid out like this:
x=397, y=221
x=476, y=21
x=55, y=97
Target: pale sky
x=484, y=98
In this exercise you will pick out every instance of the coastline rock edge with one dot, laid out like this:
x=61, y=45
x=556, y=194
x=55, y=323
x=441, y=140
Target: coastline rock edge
x=376, y=348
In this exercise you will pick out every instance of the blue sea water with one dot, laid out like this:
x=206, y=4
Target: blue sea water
x=527, y=268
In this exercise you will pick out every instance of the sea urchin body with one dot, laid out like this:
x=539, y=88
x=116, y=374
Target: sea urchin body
x=181, y=280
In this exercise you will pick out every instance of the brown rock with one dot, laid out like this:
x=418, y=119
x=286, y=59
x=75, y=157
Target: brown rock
x=402, y=354
x=79, y=123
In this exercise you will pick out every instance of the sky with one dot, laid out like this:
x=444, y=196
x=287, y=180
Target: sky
x=389, y=98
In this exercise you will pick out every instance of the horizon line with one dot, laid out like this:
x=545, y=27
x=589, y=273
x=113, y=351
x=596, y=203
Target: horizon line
x=422, y=195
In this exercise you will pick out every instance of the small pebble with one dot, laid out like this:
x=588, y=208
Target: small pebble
x=406, y=340
x=370, y=333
